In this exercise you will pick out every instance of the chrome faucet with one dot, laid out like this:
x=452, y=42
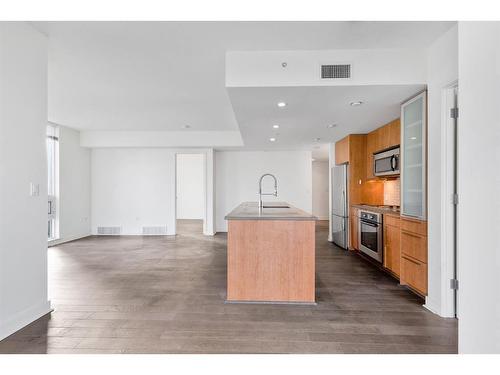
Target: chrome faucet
x=261, y=193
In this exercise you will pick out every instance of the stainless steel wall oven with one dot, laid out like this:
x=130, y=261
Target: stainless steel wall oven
x=370, y=235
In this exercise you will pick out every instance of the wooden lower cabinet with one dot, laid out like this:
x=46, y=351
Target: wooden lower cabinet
x=415, y=245
x=414, y=255
x=414, y=274
x=354, y=230
x=392, y=244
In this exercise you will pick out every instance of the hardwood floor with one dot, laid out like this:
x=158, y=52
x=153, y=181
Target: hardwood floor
x=166, y=295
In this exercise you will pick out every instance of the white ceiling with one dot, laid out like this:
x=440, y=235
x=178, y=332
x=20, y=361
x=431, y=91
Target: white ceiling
x=310, y=110
x=163, y=75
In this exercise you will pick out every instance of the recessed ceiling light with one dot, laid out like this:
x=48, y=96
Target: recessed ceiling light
x=355, y=104
x=281, y=104
x=272, y=139
x=276, y=126
x=329, y=126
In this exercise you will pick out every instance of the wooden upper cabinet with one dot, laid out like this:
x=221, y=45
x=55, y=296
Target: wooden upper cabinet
x=371, y=144
x=394, y=133
x=342, y=151
x=380, y=139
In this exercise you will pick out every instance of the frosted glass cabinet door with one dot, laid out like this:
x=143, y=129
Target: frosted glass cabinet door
x=413, y=161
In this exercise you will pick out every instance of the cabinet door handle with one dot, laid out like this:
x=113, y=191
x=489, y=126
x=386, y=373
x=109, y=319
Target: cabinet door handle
x=410, y=234
x=412, y=261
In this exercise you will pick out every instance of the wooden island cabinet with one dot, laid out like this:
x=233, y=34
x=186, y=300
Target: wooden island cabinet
x=270, y=254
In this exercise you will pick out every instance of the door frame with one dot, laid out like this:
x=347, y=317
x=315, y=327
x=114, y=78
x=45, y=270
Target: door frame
x=208, y=189
x=449, y=219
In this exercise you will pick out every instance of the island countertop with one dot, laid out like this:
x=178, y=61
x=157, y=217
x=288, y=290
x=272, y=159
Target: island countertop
x=274, y=211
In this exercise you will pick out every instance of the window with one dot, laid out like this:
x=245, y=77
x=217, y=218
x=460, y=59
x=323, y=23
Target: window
x=53, y=181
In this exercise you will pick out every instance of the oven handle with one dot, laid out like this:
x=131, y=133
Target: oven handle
x=370, y=224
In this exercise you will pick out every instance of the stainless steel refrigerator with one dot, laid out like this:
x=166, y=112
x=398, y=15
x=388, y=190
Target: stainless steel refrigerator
x=340, y=212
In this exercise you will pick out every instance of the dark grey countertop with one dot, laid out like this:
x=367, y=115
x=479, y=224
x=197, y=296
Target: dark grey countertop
x=250, y=211
x=378, y=209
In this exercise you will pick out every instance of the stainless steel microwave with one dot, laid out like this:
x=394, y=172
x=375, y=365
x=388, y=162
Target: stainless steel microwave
x=386, y=163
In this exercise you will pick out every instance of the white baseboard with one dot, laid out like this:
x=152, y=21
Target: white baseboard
x=67, y=239
x=431, y=306
x=23, y=318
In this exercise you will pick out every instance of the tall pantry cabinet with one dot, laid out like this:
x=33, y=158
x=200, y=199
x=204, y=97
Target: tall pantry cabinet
x=414, y=194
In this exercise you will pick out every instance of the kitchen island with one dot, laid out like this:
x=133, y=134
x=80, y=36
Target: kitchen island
x=270, y=254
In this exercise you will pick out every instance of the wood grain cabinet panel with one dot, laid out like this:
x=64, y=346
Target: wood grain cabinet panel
x=354, y=228
x=395, y=133
x=414, y=226
x=414, y=245
x=414, y=254
x=352, y=150
x=414, y=274
x=392, y=245
x=370, y=149
x=387, y=136
x=357, y=158
x=383, y=137
x=392, y=220
x=342, y=151
x=271, y=260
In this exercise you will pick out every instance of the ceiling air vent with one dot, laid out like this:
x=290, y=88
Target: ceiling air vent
x=335, y=71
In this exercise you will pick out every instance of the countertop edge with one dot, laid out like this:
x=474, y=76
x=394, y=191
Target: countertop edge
x=383, y=211
x=295, y=214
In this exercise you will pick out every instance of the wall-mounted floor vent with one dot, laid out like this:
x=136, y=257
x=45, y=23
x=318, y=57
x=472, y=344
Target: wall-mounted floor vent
x=109, y=231
x=335, y=71
x=154, y=231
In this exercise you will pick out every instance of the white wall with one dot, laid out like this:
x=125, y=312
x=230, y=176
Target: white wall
x=442, y=70
x=190, y=186
x=320, y=188
x=238, y=173
x=23, y=219
x=479, y=187
x=132, y=188
x=135, y=187
x=74, y=186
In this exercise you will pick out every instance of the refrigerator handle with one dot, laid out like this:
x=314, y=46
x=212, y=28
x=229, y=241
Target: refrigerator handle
x=344, y=203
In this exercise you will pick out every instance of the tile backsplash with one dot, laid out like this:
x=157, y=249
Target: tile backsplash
x=392, y=192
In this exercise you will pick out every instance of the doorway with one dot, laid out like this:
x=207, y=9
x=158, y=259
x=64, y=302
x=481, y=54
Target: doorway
x=190, y=193
x=320, y=173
